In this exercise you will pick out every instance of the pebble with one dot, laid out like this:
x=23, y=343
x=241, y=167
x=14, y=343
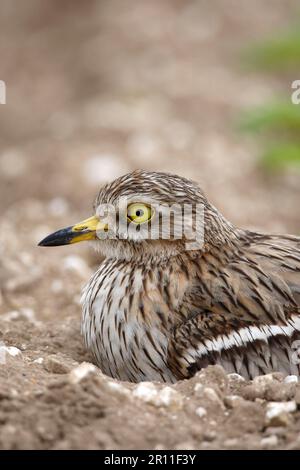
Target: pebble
x=198, y=387
x=8, y=350
x=233, y=401
x=39, y=360
x=81, y=372
x=278, y=413
x=57, y=364
x=210, y=436
x=235, y=378
x=291, y=379
x=146, y=391
x=201, y=412
x=118, y=388
x=165, y=397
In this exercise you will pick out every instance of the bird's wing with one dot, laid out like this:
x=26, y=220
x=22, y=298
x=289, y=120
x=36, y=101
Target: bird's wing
x=245, y=307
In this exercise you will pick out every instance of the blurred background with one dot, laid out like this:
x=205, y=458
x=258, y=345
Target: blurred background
x=99, y=88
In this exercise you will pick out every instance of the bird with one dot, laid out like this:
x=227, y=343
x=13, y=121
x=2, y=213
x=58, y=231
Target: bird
x=160, y=307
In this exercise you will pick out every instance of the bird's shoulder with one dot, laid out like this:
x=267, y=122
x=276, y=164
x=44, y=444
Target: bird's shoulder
x=256, y=280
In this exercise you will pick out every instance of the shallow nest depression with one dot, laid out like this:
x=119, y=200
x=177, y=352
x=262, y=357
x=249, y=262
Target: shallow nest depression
x=164, y=100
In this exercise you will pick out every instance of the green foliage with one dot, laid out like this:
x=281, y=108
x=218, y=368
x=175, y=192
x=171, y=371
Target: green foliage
x=277, y=157
x=279, y=117
x=277, y=122
x=278, y=53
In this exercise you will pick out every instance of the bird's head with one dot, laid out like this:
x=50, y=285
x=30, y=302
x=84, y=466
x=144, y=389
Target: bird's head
x=148, y=215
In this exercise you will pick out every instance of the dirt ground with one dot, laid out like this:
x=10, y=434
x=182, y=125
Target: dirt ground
x=95, y=89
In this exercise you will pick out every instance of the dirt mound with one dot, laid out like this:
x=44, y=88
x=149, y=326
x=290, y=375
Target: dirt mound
x=51, y=397
x=95, y=89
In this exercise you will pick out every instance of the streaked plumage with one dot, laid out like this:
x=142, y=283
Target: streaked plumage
x=155, y=311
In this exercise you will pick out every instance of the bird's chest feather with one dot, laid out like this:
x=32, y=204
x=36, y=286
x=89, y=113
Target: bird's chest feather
x=127, y=315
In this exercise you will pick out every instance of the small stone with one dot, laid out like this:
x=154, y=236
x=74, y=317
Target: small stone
x=57, y=364
x=291, y=379
x=12, y=351
x=233, y=401
x=165, y=397
x=198, y=387
x=118, y=388
x=145, y=391
x=278, y=413
x=170, y=398
x=201, y=412
x=269, y=442
x=7, y=352
x=81, y=372
x=39, y=360
x=235, y=378
x=209, y=436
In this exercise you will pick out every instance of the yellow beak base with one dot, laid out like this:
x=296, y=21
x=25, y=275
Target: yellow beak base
x=85, y=230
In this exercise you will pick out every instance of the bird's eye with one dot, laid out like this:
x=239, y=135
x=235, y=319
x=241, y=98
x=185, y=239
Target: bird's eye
x=139, y=213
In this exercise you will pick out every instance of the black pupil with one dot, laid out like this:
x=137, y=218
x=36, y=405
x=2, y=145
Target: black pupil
x=139, y=213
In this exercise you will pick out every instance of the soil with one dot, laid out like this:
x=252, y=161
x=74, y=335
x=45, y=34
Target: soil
x=95, y=89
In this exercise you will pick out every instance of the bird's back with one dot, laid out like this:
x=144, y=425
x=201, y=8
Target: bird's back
x=243, y=309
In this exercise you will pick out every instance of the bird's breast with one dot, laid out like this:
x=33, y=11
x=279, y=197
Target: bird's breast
x=125, y=323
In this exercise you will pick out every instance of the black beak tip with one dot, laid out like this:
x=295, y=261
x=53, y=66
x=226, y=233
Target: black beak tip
x=59, y=238
x=43, y=242
x=48, y=241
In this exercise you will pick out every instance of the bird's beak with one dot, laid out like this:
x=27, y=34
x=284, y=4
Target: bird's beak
x=85, y=230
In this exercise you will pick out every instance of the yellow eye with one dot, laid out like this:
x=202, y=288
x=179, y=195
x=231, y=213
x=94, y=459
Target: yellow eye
x=139, y=213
